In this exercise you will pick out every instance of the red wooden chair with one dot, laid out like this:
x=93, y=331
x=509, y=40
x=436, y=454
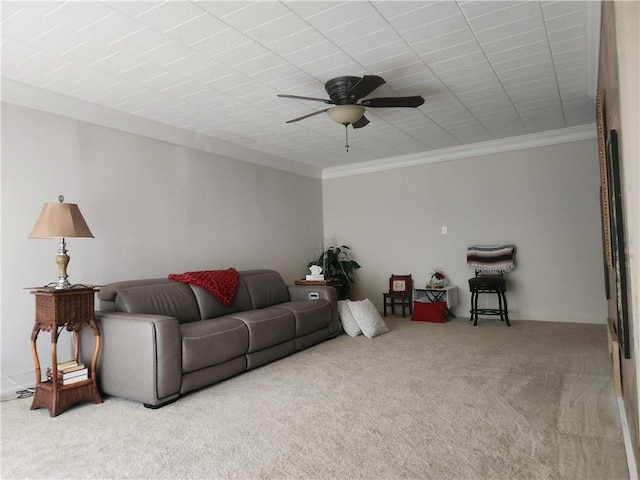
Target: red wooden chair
x=400, y=293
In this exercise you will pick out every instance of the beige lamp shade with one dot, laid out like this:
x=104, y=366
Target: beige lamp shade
x=346, y=114
x=59, y=220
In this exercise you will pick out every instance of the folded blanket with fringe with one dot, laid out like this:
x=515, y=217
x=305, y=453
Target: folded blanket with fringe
x=491, y=258
x=222, y=284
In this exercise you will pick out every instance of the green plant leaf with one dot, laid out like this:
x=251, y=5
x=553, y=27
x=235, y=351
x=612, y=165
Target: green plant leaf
x=336, y=263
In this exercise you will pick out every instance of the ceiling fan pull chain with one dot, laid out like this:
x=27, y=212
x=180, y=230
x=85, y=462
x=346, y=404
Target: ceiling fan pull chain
x=346, y=136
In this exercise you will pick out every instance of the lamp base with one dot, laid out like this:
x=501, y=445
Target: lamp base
x=62, y=260
x=62, y=284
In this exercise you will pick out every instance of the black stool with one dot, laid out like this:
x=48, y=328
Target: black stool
x=488, y=284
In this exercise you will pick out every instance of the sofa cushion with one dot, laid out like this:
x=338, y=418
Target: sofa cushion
x=211, y=307
x=267, y=326
x=210, y=342
x=265, y=287
x=310, y=315
x=108, y=293
x=173, y=299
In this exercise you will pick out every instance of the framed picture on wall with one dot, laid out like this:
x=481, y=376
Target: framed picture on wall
x=618, y=248
x=604, y=192
x=604, y=180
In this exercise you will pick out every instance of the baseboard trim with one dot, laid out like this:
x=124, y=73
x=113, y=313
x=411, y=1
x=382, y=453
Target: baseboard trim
x=516, y=316
x=628, y=445
x=583, y=319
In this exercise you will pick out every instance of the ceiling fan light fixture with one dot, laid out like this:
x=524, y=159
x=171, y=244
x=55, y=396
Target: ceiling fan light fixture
x=346, y=114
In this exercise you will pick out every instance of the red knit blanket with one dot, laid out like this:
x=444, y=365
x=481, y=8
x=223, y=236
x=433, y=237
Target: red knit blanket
x=222, y=284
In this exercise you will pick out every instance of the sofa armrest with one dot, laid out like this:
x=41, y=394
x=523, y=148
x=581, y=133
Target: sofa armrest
x=140, y=357
x=308, y=292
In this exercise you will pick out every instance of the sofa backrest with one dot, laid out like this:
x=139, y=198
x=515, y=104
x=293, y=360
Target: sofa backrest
x=155, y=296
x=265, y=287
x=188, y=303
x=211, y=307
x=108, y=293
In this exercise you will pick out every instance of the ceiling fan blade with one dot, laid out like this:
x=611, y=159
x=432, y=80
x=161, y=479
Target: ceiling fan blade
x=325, y=100
x=307, y=116
x=365, y=86
x=363, y=122
x=382, y=102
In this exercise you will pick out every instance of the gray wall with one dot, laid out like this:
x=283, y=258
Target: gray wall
x=157, y=208
x=154, y=208
x=544, y=200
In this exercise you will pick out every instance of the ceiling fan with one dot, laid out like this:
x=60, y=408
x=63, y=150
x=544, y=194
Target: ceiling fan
x=346, y=94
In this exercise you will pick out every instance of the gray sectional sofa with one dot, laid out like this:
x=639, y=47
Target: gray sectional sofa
x=162, y=338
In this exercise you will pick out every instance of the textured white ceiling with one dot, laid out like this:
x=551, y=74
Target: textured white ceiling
x=487, y=69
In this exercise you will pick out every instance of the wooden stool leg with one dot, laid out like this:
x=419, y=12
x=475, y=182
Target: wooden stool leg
x=506, y=310
x=475, y=309
x=471, y=311
x=500, y=311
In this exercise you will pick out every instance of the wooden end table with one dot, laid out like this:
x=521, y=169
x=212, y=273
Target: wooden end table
x=327, y=282
x=71, y=309
x=447, y=293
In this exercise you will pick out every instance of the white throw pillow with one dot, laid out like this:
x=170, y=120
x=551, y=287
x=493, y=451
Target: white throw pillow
x=349, y=324
x=368, y=318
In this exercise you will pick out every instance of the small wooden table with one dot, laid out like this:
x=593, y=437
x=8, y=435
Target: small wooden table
x=448, y=293
x=70, y=309
x=327, y=282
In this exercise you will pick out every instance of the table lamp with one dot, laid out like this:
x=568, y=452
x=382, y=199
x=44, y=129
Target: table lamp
x=61, y=220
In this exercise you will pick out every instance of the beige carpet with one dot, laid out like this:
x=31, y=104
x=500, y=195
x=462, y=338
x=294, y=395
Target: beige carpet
x=425, y=401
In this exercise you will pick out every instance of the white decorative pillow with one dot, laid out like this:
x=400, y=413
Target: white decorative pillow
x=368, y=318
x=349, y=324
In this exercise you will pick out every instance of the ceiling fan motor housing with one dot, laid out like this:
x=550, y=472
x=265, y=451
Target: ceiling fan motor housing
x=338, y=90
x=345, y=93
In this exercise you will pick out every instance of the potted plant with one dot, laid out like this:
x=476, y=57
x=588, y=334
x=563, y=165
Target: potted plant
x=336, y=263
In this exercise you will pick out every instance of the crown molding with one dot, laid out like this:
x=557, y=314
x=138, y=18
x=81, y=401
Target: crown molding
x=38, y=99
x=554, y=137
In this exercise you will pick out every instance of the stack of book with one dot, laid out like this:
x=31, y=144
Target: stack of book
x=69, y=372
